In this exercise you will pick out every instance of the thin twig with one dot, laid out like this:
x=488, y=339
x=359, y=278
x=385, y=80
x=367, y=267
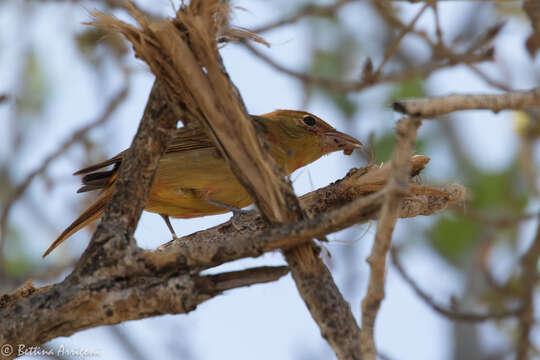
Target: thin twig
x=343, y=86
x=532, y=9
x=248, y=277
x=386, y=13
x=489, y=80
x=305, y=11
x=496, y=221
x=529, y=278
x=438, y=31
x=449, y=313
x=395, y=190
x=392, y=49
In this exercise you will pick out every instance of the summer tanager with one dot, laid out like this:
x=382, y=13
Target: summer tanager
x=194, y=180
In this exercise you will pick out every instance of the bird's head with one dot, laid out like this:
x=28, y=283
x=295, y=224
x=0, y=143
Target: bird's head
x=297, y=138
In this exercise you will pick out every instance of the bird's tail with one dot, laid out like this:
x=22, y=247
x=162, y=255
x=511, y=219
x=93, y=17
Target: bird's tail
x=89, y=215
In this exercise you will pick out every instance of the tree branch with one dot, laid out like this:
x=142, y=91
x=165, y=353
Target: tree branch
x=437, y=106
x=529, y=278
x=183, y=53
x=113, y=238
x=66, y=308
x=392, y=49
x=395, y=190
x=447, y=312
x=532, y=10
x=344, y=86
x=116, y=281
x=77, y=136
x=351, y=200
x=305, y=11
x=126, y=286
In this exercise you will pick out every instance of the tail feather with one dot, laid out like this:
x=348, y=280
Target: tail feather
x=89, y=215
x=98, y=180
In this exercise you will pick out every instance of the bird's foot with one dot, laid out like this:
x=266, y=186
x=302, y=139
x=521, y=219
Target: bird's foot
x=236, y=211
x=238, y=219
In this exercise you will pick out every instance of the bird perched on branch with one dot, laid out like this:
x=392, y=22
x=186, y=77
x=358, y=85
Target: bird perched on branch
x=193, y=179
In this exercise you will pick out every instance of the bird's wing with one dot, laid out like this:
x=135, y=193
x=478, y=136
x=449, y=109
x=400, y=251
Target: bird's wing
x=188, y=140
x=185, y=140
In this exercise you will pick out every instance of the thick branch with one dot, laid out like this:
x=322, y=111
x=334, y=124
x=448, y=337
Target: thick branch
x=437, y=106
x=353, y=199
x=33, y=316
x=330, y=311
x=233, y=132
x=113, y=235
x=349, y=200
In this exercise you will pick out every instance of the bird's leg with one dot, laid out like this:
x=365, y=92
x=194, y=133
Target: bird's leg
x=168, y=222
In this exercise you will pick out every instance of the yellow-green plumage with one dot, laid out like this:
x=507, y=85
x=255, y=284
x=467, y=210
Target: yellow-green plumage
x=184, y=191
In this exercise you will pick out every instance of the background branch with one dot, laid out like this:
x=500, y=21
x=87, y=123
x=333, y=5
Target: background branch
x=305, y=11
x=344, y=86
x=450, y=313
x=77, y=136
x=529, y=264
x=441, y=105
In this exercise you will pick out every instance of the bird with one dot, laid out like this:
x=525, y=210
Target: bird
x=193, y=179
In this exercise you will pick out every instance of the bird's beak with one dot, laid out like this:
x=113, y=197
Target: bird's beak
x=334, y=140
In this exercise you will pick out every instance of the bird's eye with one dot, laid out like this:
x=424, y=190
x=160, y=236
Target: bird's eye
x=309, y=120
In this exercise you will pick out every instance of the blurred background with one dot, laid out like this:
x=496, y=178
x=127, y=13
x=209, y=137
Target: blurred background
x=57, y=77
